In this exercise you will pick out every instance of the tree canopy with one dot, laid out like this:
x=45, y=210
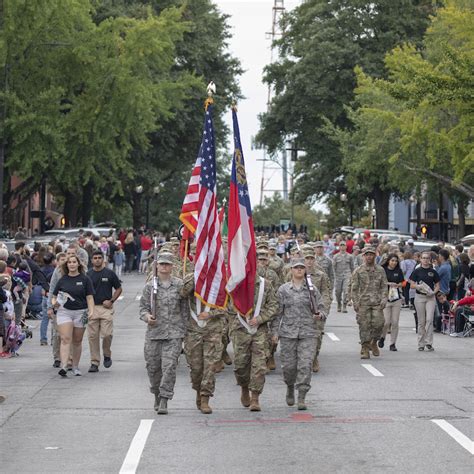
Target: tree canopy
x=103, y=96
x=315, y=78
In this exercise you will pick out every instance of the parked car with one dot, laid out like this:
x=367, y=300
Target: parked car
x=468, y=240
x=73, y=233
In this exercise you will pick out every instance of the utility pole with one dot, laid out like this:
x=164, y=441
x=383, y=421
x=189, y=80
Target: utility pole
x=269, y=165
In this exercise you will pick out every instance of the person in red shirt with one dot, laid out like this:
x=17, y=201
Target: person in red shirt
x=460, y=319
x=349, y=243
x=366, y=236
x=147, y=244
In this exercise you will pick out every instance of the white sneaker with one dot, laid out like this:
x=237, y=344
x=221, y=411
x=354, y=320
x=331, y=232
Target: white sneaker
x=456, y=334
x=76, y=372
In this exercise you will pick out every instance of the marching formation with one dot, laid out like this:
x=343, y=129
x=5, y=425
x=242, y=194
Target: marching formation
x=291, y=302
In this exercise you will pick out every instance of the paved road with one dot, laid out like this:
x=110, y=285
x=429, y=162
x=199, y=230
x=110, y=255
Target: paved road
x=356, y=422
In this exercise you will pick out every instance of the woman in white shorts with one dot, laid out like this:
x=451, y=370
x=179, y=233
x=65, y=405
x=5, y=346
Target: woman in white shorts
x=73, y=297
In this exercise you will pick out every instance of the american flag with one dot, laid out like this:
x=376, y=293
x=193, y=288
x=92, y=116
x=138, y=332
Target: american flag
x=189, y=210
x=200, y=212
x=242, y=264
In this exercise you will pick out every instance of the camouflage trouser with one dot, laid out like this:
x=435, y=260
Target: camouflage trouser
x=297, y=361
x=370, y=320
x=270, y=348
x=319, y=338
x=342, y=288
x=203, y=352
x=250, y=358
x=161, y=358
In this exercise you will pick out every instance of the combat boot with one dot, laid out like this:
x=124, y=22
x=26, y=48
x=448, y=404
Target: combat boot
x=205, y=408
x=157, y=401
x=219, y=367
x=226, y=358
x=163, y=407
x=315, y=365
x=290, y=395
x=254, y=404
x=338, y=307
x=374, y=348
x=301, y=401
x=198, y=400
x=271, y=363
x=245, y=397
x=344, y=309
x=364, y=352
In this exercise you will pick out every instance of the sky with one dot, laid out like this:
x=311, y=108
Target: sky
x=249, y=22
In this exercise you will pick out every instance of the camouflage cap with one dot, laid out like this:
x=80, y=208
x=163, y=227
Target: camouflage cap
x=369, y=249
x=262, y=244
x=297, y=262
x=174, y=240
x=319, y=243
x=308, y=253
x=165, y=257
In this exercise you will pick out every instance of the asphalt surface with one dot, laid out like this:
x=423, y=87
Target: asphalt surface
x=356, y=421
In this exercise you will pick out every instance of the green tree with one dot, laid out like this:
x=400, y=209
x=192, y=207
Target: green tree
x=202, y=53
x=417, y=124
x=82, y=97
x=314, y=81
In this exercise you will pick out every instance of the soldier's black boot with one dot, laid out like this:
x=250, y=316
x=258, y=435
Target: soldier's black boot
x=163, y=407
x=301, y=401
x=290, y=395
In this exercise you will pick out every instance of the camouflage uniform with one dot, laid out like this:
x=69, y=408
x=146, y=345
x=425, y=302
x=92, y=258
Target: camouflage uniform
x=270, y=278
x=202, y=346
x=163, y=340
x=343, y=268
x=276, y=264
x=250, y=350
x=321, y=282
x=326, y=264
x=369, y=295
x=297, y=330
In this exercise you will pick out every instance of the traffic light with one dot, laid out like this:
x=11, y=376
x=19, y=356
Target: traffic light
x=424, y=229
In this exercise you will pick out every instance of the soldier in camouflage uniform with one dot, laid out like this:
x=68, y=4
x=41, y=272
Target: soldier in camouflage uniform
x=321, y=282
x=295, y=326
x=343, y=268
x=202, y=346
x=357, y=256
x=251, y=344
x=369, y=295
x=165, y=331
x=276, y=263
x=264, y=271
x=325, y=263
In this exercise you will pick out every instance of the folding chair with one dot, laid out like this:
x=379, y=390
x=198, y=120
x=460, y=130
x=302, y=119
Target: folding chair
x=448, y=322
x=468, y=314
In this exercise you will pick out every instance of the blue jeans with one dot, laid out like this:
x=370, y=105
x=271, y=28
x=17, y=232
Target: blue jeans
x=44, y=320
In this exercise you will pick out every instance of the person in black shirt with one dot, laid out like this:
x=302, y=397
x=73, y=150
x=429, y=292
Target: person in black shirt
x=391, y=311
x=73, y=298
x=107, y=288
x=425, y=280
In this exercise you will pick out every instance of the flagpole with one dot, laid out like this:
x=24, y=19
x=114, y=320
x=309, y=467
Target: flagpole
x=186, y=242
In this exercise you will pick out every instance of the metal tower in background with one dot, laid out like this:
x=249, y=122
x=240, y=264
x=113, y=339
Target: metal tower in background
x=277, y=163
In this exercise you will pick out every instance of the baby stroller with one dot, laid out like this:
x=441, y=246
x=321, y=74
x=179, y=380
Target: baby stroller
x=14, y=338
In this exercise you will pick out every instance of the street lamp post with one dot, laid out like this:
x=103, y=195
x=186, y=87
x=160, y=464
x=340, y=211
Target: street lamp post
x=154, y=192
